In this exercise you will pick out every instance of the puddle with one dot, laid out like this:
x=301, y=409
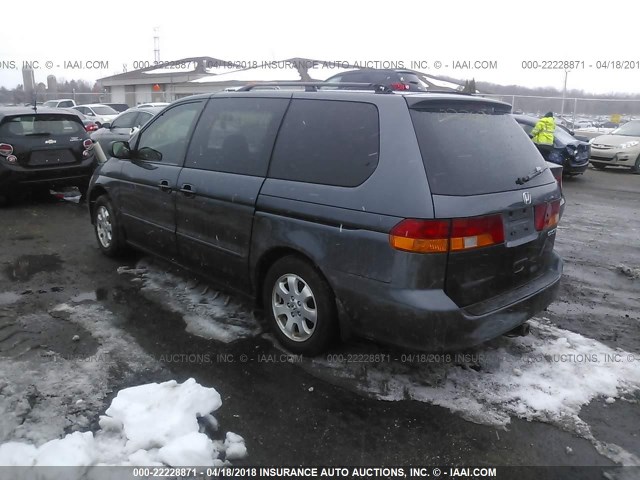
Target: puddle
x=28, y=265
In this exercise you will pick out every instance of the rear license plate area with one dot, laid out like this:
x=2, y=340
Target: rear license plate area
x=519, y=226
x=45, y=158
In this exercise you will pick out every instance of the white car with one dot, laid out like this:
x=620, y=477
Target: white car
x=97, y=112
x=60, y=103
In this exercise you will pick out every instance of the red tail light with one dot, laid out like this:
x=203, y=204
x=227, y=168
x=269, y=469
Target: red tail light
x=6, y=149
x=557, y=173
x=399, y=86
x=92, y=127
x=547, y=215
x=432, y=236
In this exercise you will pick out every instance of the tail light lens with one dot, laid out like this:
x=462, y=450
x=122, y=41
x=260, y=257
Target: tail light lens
x=6, y=149
x=87, y=144
x=557, y=174
x=92, y=127
x=399, y=86
x=441, y=236
x=547, y=215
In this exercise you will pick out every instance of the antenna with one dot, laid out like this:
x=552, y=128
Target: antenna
x=156, y=44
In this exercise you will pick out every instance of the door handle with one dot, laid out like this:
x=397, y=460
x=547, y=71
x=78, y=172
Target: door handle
x=188, y=190
x=164, y=186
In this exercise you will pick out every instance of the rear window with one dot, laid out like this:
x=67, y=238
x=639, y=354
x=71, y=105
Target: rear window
x=472, y=148
x=104, y=110
x=327, y=142
x=31, y=125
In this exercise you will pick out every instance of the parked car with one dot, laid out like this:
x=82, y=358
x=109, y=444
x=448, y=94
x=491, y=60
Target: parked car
x=568, y=151
x=401, y=80
x=152, y=104
x=123, y=126
x=89, y=124
x=49, y=148
x=98, y=112
x=61, y=103
x=118, y=107
x=374, y=214
x=620, y=148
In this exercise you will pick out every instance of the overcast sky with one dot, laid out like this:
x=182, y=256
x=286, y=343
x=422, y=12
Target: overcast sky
x=121, y=32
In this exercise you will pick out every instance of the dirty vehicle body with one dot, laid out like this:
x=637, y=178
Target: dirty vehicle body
x=422, y=220
x=620, y=148
x=48, y=148
x=568, y=151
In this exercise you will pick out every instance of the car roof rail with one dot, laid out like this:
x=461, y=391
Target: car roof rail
x=315, y=86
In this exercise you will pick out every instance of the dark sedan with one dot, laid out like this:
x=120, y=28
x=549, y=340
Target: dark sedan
x=568, y=151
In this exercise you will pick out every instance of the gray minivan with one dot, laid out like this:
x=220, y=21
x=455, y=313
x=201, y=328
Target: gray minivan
x=422, y=220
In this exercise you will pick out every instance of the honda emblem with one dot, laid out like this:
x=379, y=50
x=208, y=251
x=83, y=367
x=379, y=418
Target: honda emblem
x=526, y=197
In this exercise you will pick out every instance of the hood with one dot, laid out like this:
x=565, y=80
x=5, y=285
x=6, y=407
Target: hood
x=613, y=140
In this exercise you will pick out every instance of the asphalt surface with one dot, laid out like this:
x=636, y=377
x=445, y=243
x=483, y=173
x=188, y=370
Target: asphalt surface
x=288, y=413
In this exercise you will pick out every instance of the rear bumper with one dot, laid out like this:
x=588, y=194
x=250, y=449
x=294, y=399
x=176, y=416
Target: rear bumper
x=430, y=320
x=574, y=168
x=16, y=179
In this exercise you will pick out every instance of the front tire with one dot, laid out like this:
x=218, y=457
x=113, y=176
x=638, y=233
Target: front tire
x=108, y=233
x=636, y=168
x=300, y=306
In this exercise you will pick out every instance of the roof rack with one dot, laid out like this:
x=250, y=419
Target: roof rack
x=315, y=86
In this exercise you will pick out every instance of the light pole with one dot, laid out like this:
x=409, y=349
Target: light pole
x=564, y=93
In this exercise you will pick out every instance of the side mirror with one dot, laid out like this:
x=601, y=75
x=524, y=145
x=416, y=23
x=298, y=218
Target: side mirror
x=120, y=150
x=149, y=154
x=106, y=125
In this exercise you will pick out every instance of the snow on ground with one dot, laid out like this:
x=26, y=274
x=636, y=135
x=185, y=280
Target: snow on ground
x=208, y=313
x=547, y=376
x=153, y=424
x=7, y=298
x=52, y=393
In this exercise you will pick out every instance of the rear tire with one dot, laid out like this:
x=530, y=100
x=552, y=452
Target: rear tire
x=300, y=306
x=107, y=228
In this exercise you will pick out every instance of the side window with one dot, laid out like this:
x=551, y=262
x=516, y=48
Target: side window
x=128, y=120
x=236, y=135
x=526, y=128
x=82, y=110
x=165, y=140
x=327, y=142
x=65, y=104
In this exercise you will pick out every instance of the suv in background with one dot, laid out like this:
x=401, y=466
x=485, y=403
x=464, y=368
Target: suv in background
x=118, y=107
x=62, y=103
x=400, y=80
x=49, y=148
x=382, y=215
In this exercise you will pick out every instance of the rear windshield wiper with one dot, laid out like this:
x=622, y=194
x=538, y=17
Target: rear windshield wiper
x=39, y=134
x=531, y=176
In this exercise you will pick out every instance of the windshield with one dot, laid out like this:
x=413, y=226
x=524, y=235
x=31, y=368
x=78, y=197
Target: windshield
x=104, y=110
x=52, y=124
x=631, y=129
x=51, y=103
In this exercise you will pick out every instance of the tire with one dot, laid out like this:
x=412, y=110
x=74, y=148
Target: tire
x=636, y=168
x=598, y=166
x=291, y=284
x=108, y=232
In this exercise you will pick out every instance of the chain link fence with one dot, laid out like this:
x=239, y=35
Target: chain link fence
x=575, y=112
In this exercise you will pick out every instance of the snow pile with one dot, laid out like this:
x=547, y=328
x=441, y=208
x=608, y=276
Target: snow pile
x=153, y=424
x=208, y=313
x=7, y=298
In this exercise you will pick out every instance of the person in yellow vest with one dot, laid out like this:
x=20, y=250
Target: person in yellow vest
x=542, y=133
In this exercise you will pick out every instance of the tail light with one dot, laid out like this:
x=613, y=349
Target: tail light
x=88, y=146
x=440, y=236
x=547, y=215
x=92, y=127
x=557, y=174
x=399, y=86
x=6, y=149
